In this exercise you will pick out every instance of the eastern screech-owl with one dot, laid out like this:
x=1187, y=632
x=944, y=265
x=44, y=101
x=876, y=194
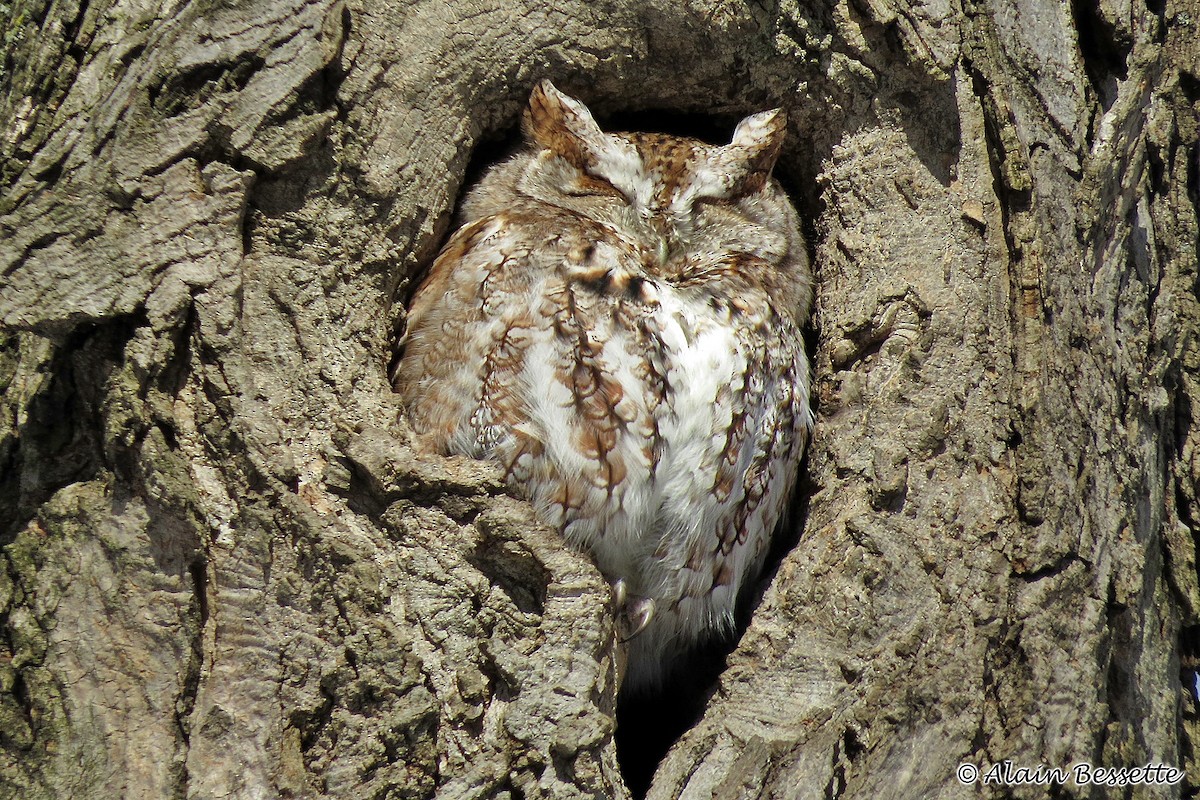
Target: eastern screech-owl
x=617, y=323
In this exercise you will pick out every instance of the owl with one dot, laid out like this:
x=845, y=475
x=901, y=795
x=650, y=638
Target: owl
x=617, y=322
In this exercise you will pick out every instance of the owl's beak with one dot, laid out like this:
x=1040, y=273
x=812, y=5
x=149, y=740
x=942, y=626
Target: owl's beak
x=664, y=250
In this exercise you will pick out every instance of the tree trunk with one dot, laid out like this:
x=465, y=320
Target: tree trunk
x=225, y=572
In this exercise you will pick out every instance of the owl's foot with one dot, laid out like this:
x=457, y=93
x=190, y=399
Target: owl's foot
x=634, y=613
x=637, y=613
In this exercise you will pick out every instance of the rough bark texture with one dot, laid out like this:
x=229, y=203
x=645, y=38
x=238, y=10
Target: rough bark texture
x=225, y=573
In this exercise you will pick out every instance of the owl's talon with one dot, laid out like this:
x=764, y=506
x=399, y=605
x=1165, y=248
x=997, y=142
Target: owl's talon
x=620, y=593
x=634, y=612
x=638, y=613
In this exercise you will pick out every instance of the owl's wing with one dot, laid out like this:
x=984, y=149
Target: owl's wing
x=495, y=331
x=433, y=287
x=449, y=330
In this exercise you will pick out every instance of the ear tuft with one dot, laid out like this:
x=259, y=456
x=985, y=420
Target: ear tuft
x=562, y=125
x=752, y=154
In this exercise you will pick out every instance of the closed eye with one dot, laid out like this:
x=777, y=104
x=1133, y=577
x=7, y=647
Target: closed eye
x=591, y=186
x=705, y=200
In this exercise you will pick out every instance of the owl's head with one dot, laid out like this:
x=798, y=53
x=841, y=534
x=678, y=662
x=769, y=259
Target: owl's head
x=682, y=201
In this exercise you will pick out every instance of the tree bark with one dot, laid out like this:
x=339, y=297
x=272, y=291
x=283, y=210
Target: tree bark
x=225, y=572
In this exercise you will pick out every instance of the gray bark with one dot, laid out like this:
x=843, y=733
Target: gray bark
x=224, y=572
